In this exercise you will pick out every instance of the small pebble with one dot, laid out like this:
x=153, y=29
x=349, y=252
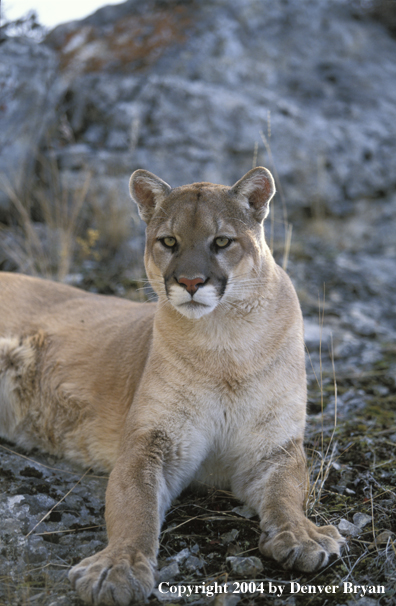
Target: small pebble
x=244, y=511
x=361, y=519
x=168, y=572
x=348, y=529
x=247, y=566
x=181, y=556
x=228, y=537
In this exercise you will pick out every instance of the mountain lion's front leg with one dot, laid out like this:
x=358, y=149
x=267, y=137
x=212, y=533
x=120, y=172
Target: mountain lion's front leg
x=276, y=487
x=136, y=499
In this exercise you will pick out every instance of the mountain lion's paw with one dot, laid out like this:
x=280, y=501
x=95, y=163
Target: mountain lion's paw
x=113, y=578
x=306, y=547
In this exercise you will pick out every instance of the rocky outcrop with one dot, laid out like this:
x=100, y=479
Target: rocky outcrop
x=29, y=92
x=201, y=91
x=189, y=90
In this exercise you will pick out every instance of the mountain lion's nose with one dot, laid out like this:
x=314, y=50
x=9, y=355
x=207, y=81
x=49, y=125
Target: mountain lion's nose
x=191, y=285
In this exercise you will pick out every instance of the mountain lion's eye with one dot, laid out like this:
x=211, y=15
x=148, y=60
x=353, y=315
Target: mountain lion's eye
x=222, y=242
x=169, y=242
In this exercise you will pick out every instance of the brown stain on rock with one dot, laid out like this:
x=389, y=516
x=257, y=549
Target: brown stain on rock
x=131, y=44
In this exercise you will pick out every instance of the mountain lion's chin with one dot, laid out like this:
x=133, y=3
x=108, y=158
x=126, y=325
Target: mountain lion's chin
x=194, y=310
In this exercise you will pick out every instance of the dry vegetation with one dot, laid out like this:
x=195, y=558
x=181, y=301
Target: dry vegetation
x=43, y=238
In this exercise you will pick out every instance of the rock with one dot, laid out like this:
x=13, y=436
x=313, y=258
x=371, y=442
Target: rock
x=61, y=601
x=203, y=83
x=363, y=323
x=348, y=529
x=192, y=563
x=165, y=595
x=168, y=572
x=244, y=511
x=348, y=347
x=187, y=559
x=223, y=599
x=361, y=519
x=381, y=390
x=30, y=488
x=180, y=557
x=30, y=89
x=87, y=549
x=315, y=334
x=35, y=550
x=383, y=538
x=229, y=537
x=384, y=11
x=363, y=601
x=249, y=566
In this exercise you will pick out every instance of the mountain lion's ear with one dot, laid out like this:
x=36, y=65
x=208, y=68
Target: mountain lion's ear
x=257, y=187
x=147, y=191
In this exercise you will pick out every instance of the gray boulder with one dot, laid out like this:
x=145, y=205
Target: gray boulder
x=197, y=86
x=29, y=88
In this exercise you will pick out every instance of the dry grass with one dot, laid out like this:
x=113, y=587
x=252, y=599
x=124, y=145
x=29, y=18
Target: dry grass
x=45, y=247
x=287, y=226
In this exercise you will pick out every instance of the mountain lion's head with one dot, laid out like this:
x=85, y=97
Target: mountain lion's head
x=205, y=243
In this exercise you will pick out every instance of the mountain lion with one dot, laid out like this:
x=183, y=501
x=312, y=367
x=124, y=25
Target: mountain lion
x=205, y=386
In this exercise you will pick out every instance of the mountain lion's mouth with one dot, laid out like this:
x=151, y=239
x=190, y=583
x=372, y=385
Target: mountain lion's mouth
x=193, y=303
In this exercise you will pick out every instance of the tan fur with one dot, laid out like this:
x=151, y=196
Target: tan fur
x=205, y=386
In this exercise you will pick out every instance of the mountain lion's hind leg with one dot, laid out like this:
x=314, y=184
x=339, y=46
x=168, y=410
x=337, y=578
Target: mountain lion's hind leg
x=277, y=490
x=18, y=380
